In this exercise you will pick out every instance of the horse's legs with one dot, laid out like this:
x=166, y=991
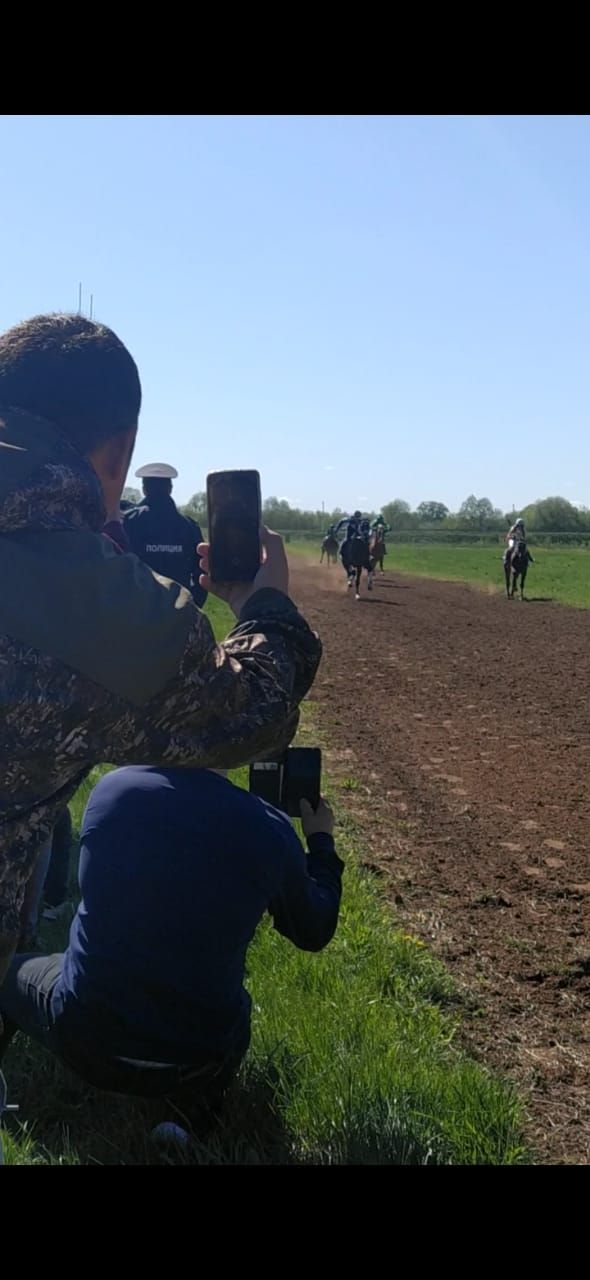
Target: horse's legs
x=522, y=582
x=358, y=581
x=507, y=577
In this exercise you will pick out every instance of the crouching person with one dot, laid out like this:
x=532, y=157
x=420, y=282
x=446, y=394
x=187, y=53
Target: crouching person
x=177, y=868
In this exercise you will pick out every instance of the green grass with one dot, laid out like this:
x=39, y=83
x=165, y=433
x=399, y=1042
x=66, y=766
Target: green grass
x=561, y=574
x=355, y=1059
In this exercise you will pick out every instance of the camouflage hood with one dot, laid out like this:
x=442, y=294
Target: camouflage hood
x=64, y=589
x=44, y=482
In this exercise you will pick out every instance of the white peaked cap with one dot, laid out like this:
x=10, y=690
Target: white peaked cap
x=157, y=471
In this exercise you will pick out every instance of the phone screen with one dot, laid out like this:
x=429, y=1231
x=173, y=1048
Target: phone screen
x=302, y=779
x=233, y=503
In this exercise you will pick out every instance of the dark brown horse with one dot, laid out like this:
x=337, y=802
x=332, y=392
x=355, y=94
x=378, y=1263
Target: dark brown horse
x=329, y=549
x=377, y=548
x=516, y=563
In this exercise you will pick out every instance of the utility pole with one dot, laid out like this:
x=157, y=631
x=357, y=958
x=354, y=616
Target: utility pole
x=80, y=302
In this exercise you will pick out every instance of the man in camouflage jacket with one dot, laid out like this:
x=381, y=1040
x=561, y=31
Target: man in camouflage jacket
x=101, y=659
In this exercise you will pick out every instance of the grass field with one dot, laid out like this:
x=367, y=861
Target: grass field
x=561, y=574
x=355, y=1059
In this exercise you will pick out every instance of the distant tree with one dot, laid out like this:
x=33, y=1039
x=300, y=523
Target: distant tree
x=480, y=514
x=398, y=514
x=196, y=508
x=131, y=495
x=554, y=515
x=432, y=512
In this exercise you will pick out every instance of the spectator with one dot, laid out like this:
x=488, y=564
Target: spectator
x=177, y=868
x=99, y=658
x=49, y=865
x=160, y=535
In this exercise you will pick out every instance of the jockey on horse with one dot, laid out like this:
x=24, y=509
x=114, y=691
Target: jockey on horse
x=377, y=540
x=354, y=551
x=357, y=526
x=517, y=558
x=329, y=545
x=515, y=534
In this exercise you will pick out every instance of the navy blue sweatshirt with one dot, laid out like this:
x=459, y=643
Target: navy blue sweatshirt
x=177, y=868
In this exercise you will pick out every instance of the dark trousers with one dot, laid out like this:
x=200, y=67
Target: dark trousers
x=56, y=881
x=48, y=880
x=194, y=1088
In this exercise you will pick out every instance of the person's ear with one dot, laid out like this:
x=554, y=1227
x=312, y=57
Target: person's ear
x=111, y=462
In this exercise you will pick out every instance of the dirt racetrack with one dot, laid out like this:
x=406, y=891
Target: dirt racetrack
x=460, y=722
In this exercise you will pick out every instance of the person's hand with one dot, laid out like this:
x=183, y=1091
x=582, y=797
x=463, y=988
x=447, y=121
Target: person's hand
x=273, y=572
x=317, y=820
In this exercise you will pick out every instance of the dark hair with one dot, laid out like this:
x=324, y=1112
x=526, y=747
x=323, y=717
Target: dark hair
x=156, y=486
x=74, y=372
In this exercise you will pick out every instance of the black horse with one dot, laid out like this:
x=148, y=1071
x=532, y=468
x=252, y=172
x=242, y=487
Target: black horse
x=357, y=558
x=516, y=563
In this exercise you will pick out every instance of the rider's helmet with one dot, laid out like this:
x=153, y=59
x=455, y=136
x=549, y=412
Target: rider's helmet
x=357, y=515
x=519, y=524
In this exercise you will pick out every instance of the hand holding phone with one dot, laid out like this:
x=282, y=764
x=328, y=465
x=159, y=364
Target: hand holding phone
x=273, y=572
x=317, y=820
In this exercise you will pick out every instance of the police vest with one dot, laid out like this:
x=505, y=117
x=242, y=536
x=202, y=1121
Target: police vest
x=164, y=539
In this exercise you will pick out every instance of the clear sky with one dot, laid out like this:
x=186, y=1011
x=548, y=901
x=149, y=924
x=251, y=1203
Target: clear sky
x=361, y=307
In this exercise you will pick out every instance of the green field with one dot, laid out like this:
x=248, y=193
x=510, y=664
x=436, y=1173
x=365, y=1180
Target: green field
x=561, y=574
x=355, y=1058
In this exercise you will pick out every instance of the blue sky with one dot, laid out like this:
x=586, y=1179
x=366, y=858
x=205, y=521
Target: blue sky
x=361, y=307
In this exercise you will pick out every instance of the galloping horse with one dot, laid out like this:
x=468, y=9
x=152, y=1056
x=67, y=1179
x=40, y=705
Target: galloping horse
x=359, y=558
x=329, y=548
x=516, y=563
x=377, y=548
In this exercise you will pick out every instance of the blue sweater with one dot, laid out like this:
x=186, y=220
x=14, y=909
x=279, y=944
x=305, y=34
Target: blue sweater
x=177, y=868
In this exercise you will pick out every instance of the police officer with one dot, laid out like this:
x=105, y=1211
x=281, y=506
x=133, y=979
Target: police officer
x=160, y=535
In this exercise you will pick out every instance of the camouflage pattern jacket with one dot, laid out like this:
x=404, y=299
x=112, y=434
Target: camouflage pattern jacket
x=102, y=660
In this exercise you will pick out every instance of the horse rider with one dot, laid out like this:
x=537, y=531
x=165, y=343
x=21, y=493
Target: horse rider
x=379, y=525
x=515, y=534
x=357, y=526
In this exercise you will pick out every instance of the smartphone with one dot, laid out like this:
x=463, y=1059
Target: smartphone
x=302, y=776
x=234, y=516
x=286, y=781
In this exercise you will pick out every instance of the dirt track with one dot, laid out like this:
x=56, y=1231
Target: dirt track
x=465, y=720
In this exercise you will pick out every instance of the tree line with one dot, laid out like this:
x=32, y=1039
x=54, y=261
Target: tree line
x=475, y=515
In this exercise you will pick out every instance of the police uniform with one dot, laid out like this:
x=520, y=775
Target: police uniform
x=162, y=537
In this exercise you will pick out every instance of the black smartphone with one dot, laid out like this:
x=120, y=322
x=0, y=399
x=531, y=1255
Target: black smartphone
x=302, y=776
x=234, y=515
x=291, y=778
